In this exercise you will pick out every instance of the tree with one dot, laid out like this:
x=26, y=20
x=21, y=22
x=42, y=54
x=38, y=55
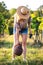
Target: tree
x=4, y=11
x=4, y=14
x=40, y=9
x=2, y=22
x=35, y=23
x=12, y=11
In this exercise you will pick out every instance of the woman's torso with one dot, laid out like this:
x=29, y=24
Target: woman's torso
x=22, y=23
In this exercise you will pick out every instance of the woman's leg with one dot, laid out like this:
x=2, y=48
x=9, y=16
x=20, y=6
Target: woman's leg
x=24, y=38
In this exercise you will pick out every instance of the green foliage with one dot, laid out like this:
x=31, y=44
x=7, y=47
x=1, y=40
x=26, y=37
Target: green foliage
x=2, y=6
x=4, y=14
x=12, y=11
x=10, y=25
x=3, y=10
x=7, y=16
x=10, y=30
x=35, y=23
x=2, y=23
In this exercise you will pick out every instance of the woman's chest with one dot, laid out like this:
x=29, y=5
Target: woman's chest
x=23, y=24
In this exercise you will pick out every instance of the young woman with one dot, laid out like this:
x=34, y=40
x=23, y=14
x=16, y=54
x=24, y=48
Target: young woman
x=21, y=19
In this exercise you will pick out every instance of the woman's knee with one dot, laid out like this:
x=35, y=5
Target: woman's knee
x=24, y=43
x=24, y=39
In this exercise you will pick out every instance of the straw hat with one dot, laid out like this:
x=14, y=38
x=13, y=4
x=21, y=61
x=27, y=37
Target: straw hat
x=22, y=12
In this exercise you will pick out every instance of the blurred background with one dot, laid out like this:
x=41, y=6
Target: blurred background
x=34, y=39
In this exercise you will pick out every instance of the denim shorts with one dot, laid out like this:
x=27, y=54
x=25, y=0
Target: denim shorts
x=22, y=31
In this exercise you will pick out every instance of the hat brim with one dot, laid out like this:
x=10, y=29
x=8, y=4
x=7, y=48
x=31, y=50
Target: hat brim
x=20, y=15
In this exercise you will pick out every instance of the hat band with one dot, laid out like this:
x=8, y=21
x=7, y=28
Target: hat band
x=23, y=14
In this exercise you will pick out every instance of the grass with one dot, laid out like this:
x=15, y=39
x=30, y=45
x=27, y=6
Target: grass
x=34, y=55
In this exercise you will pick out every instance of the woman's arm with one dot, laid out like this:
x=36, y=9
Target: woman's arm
x=16, y=26
x=29, y=22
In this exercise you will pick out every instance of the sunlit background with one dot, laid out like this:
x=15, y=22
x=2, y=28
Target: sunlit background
x=32, y=4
